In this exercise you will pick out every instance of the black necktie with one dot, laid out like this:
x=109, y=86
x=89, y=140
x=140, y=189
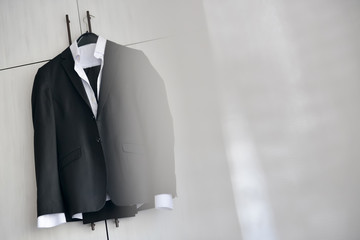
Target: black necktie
x=92, y=74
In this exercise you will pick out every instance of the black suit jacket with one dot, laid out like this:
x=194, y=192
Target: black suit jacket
x=127, y=150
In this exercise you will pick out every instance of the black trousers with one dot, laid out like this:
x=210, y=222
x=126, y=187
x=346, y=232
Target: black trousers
x=110, y=211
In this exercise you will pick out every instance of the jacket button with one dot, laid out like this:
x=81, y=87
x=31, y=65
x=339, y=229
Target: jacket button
x=98, y=140
x=93, y=117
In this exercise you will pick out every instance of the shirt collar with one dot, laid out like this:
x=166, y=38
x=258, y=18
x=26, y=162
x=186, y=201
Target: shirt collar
x=100, y=48
x=98, y=53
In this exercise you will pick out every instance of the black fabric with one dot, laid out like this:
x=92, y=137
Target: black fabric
x=92, y=73
x=110, y=211
x=127, y=150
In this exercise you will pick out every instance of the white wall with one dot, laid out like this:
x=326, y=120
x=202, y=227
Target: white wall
x=35, y=31
x=289, y=77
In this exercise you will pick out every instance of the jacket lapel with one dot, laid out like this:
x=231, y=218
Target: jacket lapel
x=68, y=64
x=108, y=73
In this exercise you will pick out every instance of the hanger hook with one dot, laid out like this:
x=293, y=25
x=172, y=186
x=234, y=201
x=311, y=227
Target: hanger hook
x=87, y=19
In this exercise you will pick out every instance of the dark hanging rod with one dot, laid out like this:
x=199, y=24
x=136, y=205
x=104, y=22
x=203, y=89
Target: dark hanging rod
x=89, y=22
x=68, y=28
x=88, y=16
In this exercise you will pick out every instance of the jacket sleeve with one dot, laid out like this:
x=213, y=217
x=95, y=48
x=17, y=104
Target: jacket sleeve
x=49, y=198
x=158, y=126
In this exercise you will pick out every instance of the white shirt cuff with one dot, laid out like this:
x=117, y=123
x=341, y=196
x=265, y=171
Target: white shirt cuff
x=164, y=201
x=78, y=216
x=50, y=220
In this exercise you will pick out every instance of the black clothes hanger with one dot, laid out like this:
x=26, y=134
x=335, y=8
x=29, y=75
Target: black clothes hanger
x=87, y=38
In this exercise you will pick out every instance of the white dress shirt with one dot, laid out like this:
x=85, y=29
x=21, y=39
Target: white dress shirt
x=87, y=56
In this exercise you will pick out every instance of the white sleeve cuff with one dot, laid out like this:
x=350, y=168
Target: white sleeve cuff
x=77, y=216
x=50, y=220
x=164, y=201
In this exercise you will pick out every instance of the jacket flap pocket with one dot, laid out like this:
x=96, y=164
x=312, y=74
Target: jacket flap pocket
x=70, y=157
x=132, y=148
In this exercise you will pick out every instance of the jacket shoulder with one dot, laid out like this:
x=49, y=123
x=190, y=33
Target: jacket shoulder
x=54, y=62
x=44, y=73
x=122, y=51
